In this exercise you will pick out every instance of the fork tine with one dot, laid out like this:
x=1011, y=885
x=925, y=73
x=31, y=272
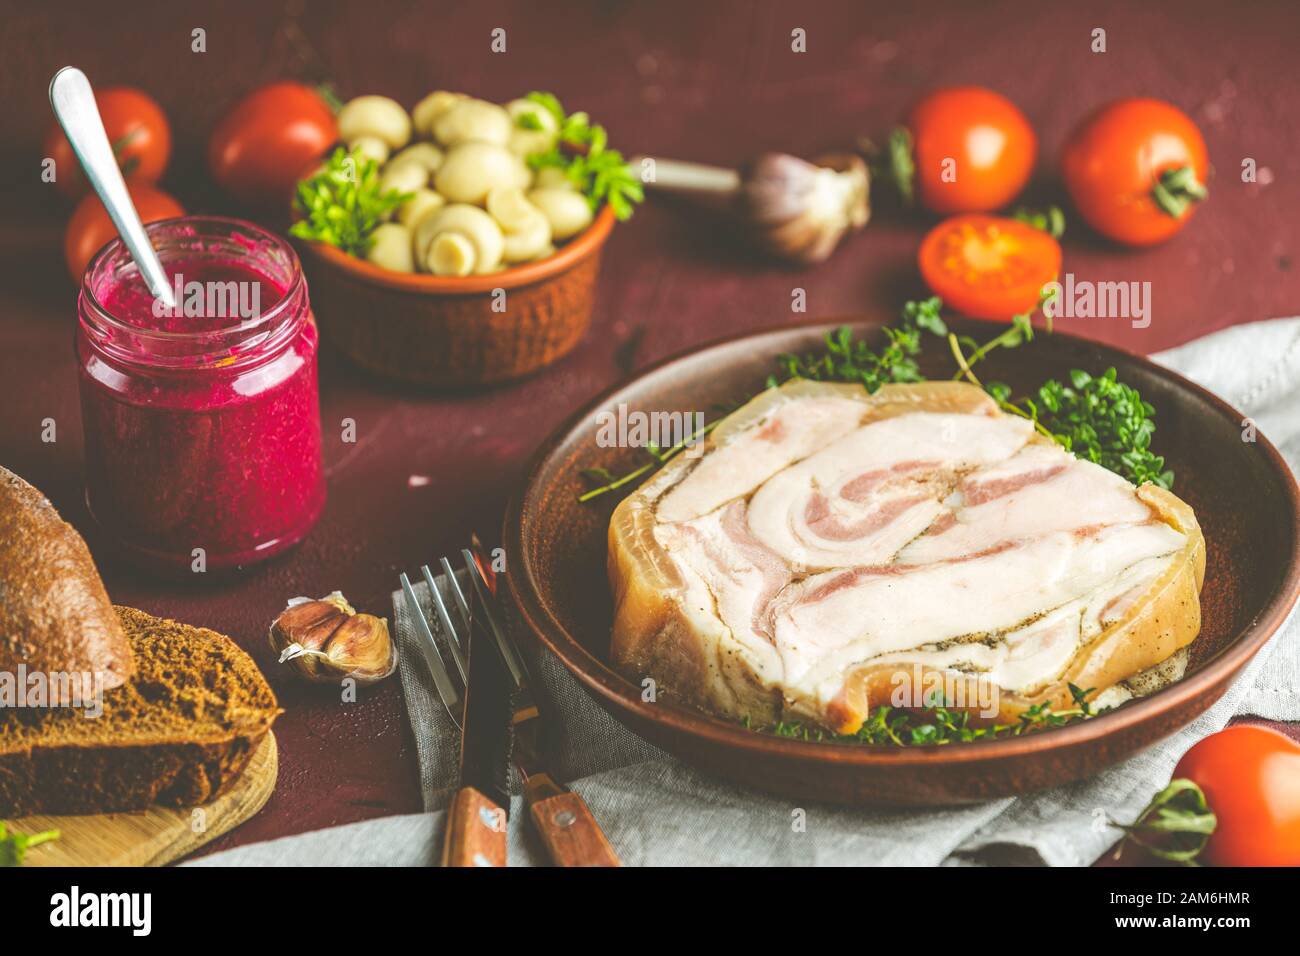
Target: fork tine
x=442, y=681
x=508, y=651
x=453, y=639
x=462, y=606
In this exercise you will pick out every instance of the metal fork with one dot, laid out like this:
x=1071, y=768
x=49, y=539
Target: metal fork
x=561, y=817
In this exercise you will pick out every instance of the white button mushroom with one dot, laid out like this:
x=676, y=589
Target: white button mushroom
x=458, y=240
x=473, y=121
x=428, y=110
x=566, y=210
x=425, y=201
x=376, y=116
x=424, y=154
x=471, y=169
x=370, y=147
x=404, y=177
x=553, y=177
x=390, y=248
x=534, y=128
x=527, y=232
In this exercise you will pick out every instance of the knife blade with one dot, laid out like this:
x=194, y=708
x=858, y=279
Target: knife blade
x=561, y=817
x=476, y=822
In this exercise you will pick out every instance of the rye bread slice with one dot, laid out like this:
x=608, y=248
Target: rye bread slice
x=54, y=613
x=179, y=733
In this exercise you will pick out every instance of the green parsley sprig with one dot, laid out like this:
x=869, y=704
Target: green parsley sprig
x=582, y=152
x=343, y=203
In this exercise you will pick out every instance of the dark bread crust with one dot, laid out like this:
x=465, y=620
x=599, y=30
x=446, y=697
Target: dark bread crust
x=55, y=616
x=172, y=737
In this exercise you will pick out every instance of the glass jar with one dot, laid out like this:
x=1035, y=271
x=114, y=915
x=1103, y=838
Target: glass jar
x=202, y=425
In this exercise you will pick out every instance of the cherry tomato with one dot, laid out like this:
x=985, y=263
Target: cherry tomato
x=973, y=150
x=988, y=267
x=1250, y=776
x=90, y=229
x=138, y=131
x=1136, y=170
x=259, y=151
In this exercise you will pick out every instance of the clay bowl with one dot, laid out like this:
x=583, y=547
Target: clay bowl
x=444, y=331
x=1243, y=494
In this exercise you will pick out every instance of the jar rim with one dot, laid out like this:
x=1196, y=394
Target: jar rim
x=235, y=344
x=269, y=319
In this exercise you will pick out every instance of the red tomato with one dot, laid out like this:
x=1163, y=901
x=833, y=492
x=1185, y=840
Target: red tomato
x=1251, y=779
x=1136, y=169
x=973, y=149
x=988, y=267
x=90, y=229
x=138, y=131
x=259, y=151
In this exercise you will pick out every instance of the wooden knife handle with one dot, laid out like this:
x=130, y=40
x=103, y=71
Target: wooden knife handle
x=566, y=825
x=476, y=831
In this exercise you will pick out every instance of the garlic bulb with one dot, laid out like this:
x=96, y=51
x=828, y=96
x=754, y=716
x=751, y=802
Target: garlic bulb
x=326, y=641
x=459, y=240
x=800, y=210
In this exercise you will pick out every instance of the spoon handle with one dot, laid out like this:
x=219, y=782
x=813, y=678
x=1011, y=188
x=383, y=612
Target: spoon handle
x=74, y=105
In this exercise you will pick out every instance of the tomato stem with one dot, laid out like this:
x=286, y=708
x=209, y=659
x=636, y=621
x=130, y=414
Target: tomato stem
x=1177, y=189
x=1175, y=825
x=902, y=165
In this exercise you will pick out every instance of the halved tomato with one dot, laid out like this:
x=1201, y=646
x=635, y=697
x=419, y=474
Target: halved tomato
x=988, y=267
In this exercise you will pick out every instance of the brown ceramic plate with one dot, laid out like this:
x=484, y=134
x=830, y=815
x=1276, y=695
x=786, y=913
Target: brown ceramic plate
x=1243, y=494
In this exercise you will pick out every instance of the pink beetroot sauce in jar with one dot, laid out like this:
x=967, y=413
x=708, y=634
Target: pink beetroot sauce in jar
x=202, y=427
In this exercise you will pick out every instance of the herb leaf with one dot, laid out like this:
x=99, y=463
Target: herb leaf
x=938, y=724
x=847, y=359
x=582, y=152
x=342, y=204
x=14, y=846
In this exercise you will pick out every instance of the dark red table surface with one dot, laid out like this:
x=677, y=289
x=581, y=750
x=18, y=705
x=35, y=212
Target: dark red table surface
x=715, y=82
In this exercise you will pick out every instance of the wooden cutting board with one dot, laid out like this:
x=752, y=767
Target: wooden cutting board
x=156, y=836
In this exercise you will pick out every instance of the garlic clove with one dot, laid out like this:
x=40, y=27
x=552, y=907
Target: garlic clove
x=362, y=648
x=327, y=640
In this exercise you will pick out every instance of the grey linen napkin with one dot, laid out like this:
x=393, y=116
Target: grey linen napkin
x=658, y=811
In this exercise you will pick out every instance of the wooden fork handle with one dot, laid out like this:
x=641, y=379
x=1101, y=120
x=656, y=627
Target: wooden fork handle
x=476, y=831
x=566, y=825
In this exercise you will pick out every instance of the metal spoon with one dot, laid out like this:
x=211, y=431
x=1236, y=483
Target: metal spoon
x=74, y=105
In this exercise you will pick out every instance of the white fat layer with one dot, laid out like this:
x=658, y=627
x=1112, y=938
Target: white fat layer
x=1028, y=658
x=790, y=433
x=877, y=488
x=732, y=582
x=1063, y=493
x=869, y=614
